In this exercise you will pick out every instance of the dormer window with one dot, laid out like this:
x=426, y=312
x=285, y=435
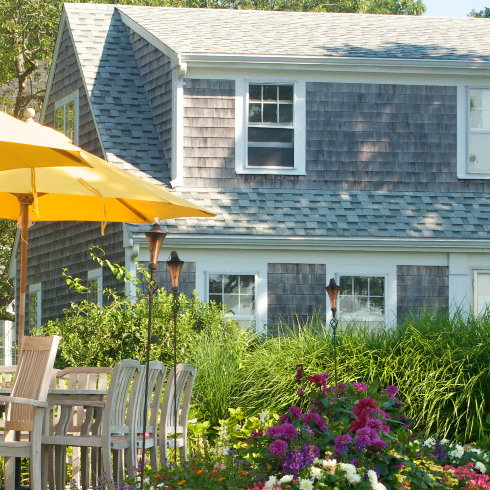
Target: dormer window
x=270, y=134
x=66, y=116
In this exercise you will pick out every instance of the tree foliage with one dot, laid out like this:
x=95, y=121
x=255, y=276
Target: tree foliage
x=7, y=293
x=482, y=13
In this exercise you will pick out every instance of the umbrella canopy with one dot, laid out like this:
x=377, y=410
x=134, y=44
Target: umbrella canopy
x=30, y=145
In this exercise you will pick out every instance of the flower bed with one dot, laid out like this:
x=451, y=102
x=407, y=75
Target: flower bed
x=351, y=436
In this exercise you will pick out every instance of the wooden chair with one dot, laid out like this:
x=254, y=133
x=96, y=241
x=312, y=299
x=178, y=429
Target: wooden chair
x=78, y=378
x=156, y=378
x=116, y=432
x=26, y=407
x=186, y=374
x=6, y=381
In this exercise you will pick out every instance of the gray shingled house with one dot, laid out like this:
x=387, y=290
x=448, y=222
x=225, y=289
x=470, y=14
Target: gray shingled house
x=329, y=145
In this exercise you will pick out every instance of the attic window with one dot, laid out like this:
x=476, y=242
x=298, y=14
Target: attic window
x=66, y=116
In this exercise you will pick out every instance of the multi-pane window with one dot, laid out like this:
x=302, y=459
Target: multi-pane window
x=237, y=293
x=65, y=120
x=479, y=131
x=362, y=298
x=270, y=126
x=481, y=291
x=94, y=292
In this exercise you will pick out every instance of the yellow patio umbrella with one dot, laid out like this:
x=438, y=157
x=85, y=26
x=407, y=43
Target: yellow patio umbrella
x=93, y=190
x=30, y=145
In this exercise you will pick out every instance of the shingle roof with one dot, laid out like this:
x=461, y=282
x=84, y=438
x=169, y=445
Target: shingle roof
x=246, y=32
x=116, y=91
x=342, y=214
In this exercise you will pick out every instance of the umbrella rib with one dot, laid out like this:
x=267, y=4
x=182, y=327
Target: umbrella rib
x=131, y=208
x=67, y=154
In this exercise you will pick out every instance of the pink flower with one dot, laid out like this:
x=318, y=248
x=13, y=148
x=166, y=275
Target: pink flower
x=275, y=432
x=277, y=448
x=295, y=412
x=360, y=387
x=289, y=431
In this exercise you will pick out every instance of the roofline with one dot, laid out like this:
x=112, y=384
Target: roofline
x=307, y=243
x=141, y=31
x=64, y=18
x=359, y=64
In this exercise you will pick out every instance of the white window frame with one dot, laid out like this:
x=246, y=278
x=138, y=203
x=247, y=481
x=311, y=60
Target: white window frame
x=349, y=318
x=62, y=103
x=241, y=127
x=474, y=288
x=463, y=131
x=97, y=274
x=235, y=273
x=37, y=289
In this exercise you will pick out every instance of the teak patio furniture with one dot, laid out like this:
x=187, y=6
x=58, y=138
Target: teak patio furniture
x=27, y=406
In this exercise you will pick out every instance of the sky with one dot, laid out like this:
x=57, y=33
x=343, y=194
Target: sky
x=454, y=8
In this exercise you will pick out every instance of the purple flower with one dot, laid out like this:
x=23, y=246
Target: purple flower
x=297, y=460
x=392, y=390
x=278, y=448
x=299, y=373
x=275, y=432
x=386, y=428
x=366, y=431
x=439, y=452
x=361, y=441
x=355, y=461
x=295, y=412
x=284, y=418
x=289, y=431
x=379, y=445
x=322, y=425
x=374, y=424
x=360, y=387
x=341, y=443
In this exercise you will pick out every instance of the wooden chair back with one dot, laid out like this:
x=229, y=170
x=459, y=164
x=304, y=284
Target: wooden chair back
x=31, y=380
x=80, y=378
x=186, y=374
x=119, y=415
x=156, y=378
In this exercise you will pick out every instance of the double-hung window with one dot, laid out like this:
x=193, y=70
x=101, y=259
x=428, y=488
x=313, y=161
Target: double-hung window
x=481, y=291
x=270, y=134
x=236, y=292
x=479, y=131
x=362, y=298
x=66, y=116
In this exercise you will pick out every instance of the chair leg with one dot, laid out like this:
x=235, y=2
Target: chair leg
x=75, y=465
x=60, y=467
x=84, y=468
x=154, y=458
x=9, y=473
x=106, y=461
x=35, y=470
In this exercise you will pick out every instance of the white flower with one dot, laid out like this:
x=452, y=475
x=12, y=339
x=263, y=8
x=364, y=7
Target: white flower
x=475, y=450
x=445, y=441
x=485, y=457
x=316, y=472
x=348, y=467
x=160, y=484
x=285, y=479
x=379, y=486
x=264, y=416
x=271, y=482
x=480, y=467
x=457, y=452
x=352, y=477
x=430, y=442
x=329, y=466
x=224, y=450
x=152, y=488
x=147, y=480
x=305, y=485
x=373, y=478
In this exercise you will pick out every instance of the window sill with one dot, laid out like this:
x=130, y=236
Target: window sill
x=475, y=176
x=270, y=171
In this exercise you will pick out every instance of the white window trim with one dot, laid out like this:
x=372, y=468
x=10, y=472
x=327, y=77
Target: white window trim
x=73, y=97
x=241, y=125
x=349, y=318
x=37, y=288
x=97, y=274
x=235, y=273
x=475, y=287
x=463, y=131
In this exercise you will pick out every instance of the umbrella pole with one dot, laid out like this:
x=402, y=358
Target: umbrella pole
x=24, y=231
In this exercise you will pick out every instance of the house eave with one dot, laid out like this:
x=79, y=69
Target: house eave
x=336, y=63
x=306, y=243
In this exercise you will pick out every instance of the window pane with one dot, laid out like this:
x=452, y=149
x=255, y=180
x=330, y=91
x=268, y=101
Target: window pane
x=231, y=302
x=479, y=109
x=255, y=92
x=360, y=307
x=345, y=305
x=93, y=286
x=215, y=283
x=70, y=120
x=376, y=286
x=270, y=113
x=270, y=92
x=270, y=157
x=255, y=113
x=285, y=113
x=231, y=284
x=361, y=285
x=377, y=307
x=59, y=124
x=479, y=152
x=483, y=291
x=285, y=92
x=247, y=305
x=247, y=284
x=346, y=285
x=215, y=297
x=32, y=311
x=269, y=135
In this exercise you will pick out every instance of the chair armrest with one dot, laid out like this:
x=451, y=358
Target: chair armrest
x=23, y=401
x=78, y=403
